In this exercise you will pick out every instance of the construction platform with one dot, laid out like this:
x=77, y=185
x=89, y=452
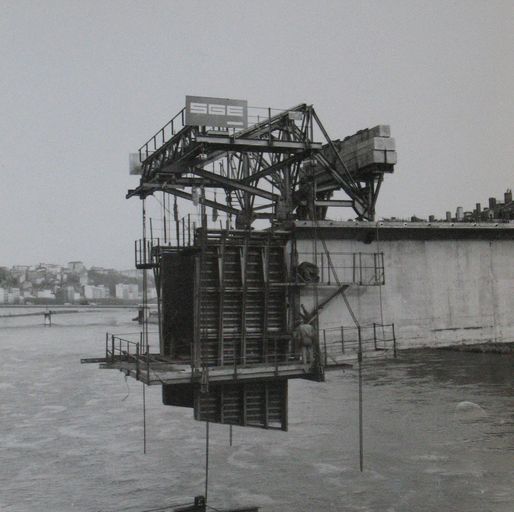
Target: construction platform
x=231, y=301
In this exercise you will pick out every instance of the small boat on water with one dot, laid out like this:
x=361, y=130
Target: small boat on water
x=200, y=505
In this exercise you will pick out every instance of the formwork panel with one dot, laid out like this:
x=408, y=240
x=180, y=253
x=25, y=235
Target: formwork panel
x=260, y=404
x=176, y=272
x=242, y=299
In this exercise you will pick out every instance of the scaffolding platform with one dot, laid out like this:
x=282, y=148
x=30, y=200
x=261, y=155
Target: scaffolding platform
x=159, y=373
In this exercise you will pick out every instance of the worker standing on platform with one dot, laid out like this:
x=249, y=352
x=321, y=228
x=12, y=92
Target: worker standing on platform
x=305, y=336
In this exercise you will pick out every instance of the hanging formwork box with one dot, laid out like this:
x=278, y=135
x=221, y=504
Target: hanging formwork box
x=224, y=306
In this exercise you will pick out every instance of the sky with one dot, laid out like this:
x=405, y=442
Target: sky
x=84, y=83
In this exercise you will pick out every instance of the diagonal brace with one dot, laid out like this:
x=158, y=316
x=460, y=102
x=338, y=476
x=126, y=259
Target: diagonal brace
x=235, y=184
x=186, y=195
x=275, y=167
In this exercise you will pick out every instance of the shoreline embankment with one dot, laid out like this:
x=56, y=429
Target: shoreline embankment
x=483, y=348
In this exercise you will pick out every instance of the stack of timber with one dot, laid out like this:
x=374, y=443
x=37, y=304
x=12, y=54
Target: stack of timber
x=366, y=150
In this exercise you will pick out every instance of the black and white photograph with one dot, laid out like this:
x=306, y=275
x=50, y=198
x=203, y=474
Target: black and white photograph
x=257, y=256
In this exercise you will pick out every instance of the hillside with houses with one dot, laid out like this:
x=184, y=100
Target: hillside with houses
x=74, y=283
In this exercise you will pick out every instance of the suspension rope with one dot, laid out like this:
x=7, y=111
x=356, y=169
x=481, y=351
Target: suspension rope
x=206, y=459
x=145, y=319
x=144, y=418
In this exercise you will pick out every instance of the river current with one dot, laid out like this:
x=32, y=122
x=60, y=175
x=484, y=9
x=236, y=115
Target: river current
x=71, y=435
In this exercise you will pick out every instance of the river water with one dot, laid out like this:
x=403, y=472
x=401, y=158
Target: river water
x=71, y=435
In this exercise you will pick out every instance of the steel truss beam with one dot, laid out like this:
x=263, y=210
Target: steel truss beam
x=151, y=188
x=275, y=160
x=235, y=184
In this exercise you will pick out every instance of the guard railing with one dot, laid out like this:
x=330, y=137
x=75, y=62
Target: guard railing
x=361, y=268
x=336, y=342
x=279, y=354
x=162, y=136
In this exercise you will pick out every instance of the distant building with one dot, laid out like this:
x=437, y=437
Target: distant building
x=127, y=291
x=507, y=210
x=101, y=270
x=50, y=268
x=26, y=288
x=19, y=273
x=69, y=294
x=96, y=292
x=36, y=276
x=495, y=211
x=13, y=296
x=77, y=267
x=132, y=273
x=83, y=278
x=3, y=295
x=20, y=268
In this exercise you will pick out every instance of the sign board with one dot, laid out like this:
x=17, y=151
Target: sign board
x=216, y=112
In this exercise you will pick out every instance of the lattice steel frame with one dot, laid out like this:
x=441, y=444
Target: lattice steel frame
x=275, y=160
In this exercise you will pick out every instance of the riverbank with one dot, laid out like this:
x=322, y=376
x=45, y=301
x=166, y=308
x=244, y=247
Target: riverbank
x=483, y=348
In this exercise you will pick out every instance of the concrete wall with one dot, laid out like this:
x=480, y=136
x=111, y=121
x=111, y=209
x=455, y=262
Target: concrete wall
x=441, y=287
